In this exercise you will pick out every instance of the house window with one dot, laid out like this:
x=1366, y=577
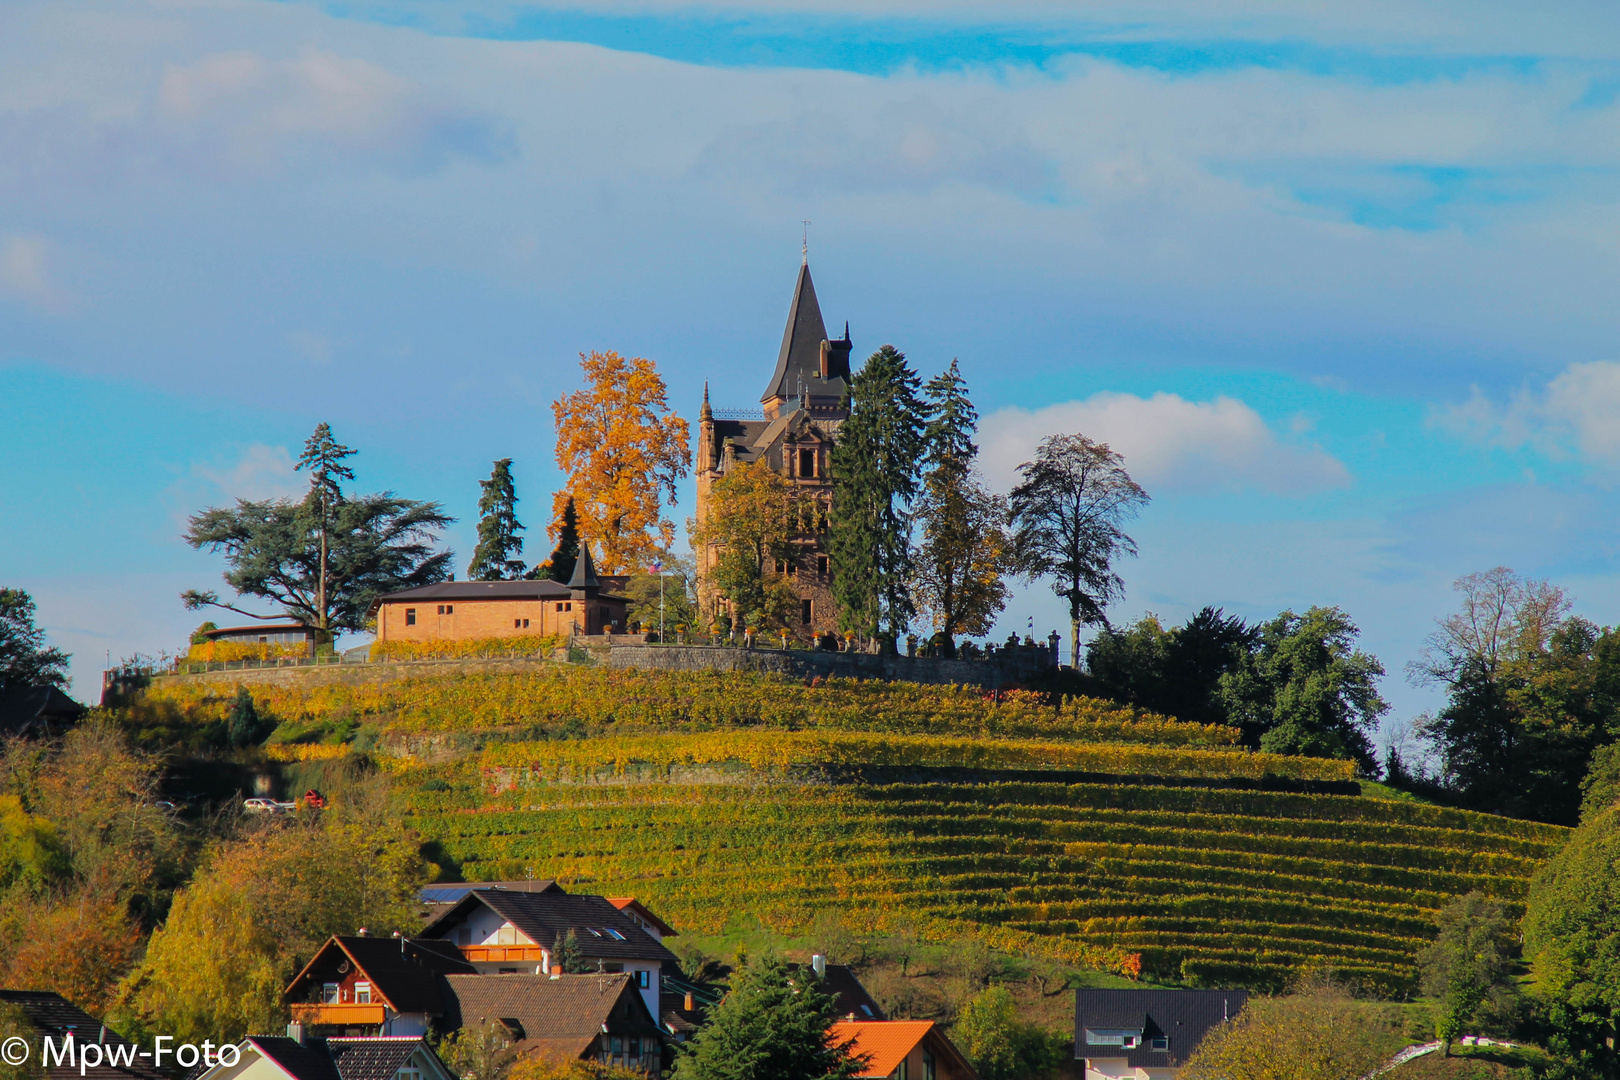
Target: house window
x=362, y=993
x=900, y=1070
x=1161, y=1043
x=633, y=1047
x=329, y=993
x=644, y=979
x=807, y=463
x=805, y=609
x=525, y=624
x=821, y=565
x=781, y=566
x=612, y=933
x=410, y=616
x=408, y=1074
x=930, y=1070
x=613, y=969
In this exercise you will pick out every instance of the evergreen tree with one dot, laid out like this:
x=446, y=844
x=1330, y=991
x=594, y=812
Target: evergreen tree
x=769, y=1028
x=323, y=457
x=25, y=659
x=243, y=722
x=952, y=420
x=560, y=567
x=567, y=954
x=874, y=474
x=498, y=527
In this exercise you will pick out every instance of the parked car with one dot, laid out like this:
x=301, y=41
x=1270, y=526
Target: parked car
x=260, y=806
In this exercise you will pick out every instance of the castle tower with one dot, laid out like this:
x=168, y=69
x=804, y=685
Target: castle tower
x=801, y=409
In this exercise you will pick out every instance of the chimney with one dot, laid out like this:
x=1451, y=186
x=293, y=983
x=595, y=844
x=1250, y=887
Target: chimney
x=295, y=1032
x=691, y=1006
x=819, y=963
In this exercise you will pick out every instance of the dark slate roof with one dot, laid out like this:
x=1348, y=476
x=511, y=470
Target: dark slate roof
x=51, y=1014
x=539, y=589
x=450, y=892
x=374, y=1057
x=307, y=1061
x=559, y=1016
x=543, y=917
x=290, y=627
x=1182, y=1016
x=584, y=570
x=850, y=996
x=404, y=971
x=23, y=707
x=800, y=356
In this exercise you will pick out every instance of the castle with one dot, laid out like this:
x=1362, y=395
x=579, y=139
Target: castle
x=803, y=405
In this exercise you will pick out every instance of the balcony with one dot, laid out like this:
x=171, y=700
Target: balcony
x=337, y=1015
x=493, y=954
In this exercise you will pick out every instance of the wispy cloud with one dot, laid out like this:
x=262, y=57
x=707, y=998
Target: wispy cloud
x=1169, y=444
x=1576, y=415
x=26, y=275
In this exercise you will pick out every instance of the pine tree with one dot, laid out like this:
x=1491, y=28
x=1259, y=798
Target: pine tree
x=498, y=527
x=769, y=1028
x=567, y=955
x=560, y=567
x=952, y=420
x=323, y=457
x=874, y=482
x=243, y=723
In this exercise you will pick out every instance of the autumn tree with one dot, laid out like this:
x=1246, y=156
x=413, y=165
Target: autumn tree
x=498, y=554
x=1068, y=515
x=875, y=480
x=751, y=518
x=957, y=580
x=623, y=451
x=256, y=911
x=480, y=1051
x=1319, y=1034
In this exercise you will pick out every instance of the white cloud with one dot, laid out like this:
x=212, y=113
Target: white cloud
x=25, y=274
x=1576, y=415
x=261, y=472
x=1169, y=444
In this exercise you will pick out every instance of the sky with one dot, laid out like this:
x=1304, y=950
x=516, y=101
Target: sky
x=1337, y=280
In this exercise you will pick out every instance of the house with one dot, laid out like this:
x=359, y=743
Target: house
x=36, y=710
x=800, y=412
x=1146, y=1034
x=358, y=985
x=502, y=931
x=289, y=637
x=563, y=1018
x=261, y=1057
x=469, y=610
x=849, y=996
x=903, y=1049
x=53, y=1017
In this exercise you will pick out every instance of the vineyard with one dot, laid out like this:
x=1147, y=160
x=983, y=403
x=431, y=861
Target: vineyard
x=1089, y=832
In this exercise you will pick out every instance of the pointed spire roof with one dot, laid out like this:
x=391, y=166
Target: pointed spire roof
x=801, y=341
x=584, y=570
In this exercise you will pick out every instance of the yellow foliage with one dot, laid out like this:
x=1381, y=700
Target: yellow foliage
x=306, y=751
x=622, y=451
x=469, y=649
x=226, y=651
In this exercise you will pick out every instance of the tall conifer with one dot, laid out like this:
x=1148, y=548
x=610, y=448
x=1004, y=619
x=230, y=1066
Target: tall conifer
x=497, y=557
x=560, y=567
x=874, y=473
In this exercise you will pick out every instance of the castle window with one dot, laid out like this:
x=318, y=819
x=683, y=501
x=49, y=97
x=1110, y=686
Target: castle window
x=805, y=611
x=821, y=565
x=807, y=463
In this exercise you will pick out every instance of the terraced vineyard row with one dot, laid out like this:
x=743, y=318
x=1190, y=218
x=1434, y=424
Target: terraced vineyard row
x=1202, y=884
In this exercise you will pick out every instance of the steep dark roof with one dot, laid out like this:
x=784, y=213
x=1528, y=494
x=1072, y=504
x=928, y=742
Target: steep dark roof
x=584, y=570
x=543, y=917
x=53, y=1015
x=850, y=996
x=539, y=589
x=374, y=1057
x=800, y=356
x=26, y=707
x=404, y=971
x=309, y=1061
x=450, y=892
x=559, y=1017
x=1182, y=1016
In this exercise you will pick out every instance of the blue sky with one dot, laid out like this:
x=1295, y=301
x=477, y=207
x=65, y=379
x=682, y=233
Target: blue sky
x=1337, y=279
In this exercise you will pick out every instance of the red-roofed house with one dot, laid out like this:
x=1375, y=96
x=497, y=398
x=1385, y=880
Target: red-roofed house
x=904, y=1049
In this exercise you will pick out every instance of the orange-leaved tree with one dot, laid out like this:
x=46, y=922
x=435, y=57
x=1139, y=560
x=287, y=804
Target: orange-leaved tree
x=623, y=451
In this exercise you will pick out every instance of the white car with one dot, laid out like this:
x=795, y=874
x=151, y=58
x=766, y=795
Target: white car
x=260, y=806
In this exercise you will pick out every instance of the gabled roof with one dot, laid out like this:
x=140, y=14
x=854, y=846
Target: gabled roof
x=849, y=996
x=377, y=1057
x=890, y=1041
x=1182, y=1016
x=559, y=1017
x=300, y=1061
x=630, y=903
x=543, y=917
x=23, y=707
x=51, y=1014
x=403, y=971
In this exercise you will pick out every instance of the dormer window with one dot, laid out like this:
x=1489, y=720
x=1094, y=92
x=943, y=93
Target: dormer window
x=1162, y=1042
x=329, y=993
x=362, y=993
